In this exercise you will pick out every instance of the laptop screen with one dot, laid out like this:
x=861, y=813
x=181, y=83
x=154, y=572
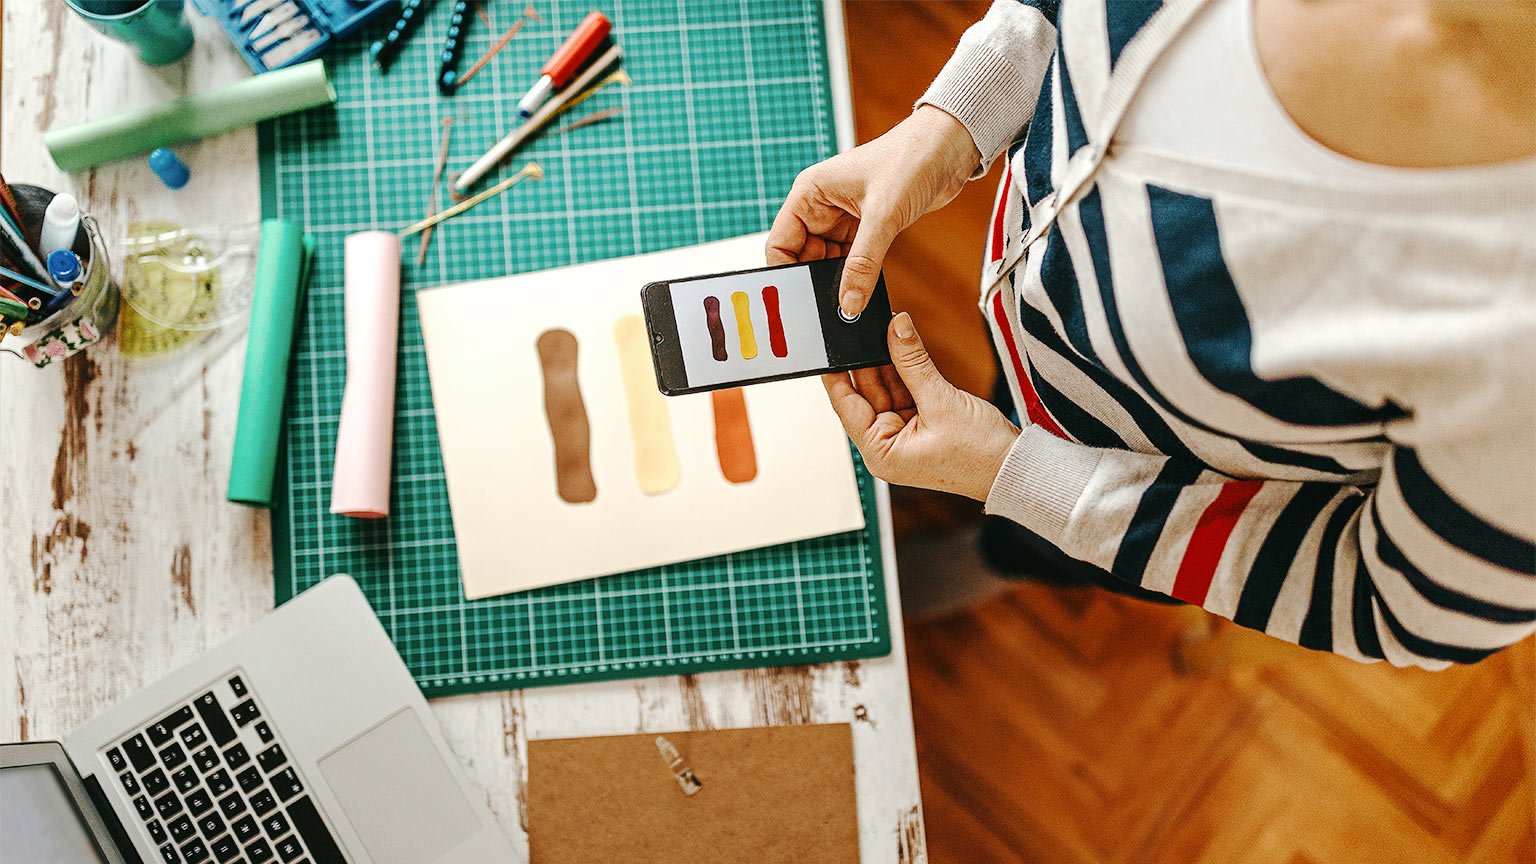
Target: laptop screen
x=39, y=823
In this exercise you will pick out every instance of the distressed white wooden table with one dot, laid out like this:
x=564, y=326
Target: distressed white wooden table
x=120, y=558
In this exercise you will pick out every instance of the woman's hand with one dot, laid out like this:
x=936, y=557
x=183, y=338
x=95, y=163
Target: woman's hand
x=914, y=428
x=856, y=203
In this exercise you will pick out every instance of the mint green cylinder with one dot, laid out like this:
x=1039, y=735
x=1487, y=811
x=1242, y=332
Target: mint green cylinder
x=282, y=261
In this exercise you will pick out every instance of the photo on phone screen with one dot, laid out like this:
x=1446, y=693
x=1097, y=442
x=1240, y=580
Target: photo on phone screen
x=766, y=324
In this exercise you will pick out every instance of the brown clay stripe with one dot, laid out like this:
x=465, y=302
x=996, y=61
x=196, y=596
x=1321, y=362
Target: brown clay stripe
x=567, y=415
x=716, y=329
x=733, y=436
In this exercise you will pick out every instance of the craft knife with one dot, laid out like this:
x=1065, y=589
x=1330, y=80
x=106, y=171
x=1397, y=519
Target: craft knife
x=290, y=49
x=279, y=33
x=274, y=18
x=252, y=9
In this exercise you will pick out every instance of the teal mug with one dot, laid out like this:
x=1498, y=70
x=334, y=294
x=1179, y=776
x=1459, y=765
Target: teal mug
x=157, y=28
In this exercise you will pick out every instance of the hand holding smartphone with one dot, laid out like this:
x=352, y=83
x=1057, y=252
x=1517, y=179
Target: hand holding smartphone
x=766, y=324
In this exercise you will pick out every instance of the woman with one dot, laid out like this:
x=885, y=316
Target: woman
x=1262, y=277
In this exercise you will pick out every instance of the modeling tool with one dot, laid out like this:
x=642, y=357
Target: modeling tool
x=365, y=436
x=512, y=141
x=529, y=14
x=437, y=182
x=532, y=169
x=384, y=51
x=566, y=61
x=453, y=48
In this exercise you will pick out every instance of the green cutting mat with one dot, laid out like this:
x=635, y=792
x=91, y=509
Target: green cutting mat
x=730, y=101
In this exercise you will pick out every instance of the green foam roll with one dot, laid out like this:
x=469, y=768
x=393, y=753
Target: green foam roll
x=198, y=115
x=282, y=264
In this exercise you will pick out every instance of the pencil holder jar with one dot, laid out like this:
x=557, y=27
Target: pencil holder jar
x=82, y=317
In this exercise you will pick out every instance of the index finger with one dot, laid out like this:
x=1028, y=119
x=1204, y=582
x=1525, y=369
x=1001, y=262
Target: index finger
x=852, y=409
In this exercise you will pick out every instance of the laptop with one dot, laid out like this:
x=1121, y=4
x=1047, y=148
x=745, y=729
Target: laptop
x=301, y=741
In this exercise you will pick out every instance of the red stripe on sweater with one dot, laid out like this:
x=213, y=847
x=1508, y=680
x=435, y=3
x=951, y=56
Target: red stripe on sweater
x=1032, y=407
x=1209, y=540
x=997, y=218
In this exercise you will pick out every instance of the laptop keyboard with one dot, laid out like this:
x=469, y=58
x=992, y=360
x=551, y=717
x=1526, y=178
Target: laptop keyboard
x=211, y=782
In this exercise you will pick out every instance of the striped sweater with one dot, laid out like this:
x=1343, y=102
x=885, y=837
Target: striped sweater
x=1307, y=406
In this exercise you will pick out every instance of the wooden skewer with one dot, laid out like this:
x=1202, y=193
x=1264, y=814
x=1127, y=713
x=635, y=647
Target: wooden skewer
x=437, y=181
x=529, y=14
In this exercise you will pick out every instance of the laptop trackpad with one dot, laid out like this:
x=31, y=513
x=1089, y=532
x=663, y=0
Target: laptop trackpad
x=398, y=794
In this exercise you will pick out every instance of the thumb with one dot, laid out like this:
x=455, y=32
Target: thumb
x=914, y=364
x=877, y=229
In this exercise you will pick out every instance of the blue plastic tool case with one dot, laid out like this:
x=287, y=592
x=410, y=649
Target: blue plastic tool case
x=331, y=19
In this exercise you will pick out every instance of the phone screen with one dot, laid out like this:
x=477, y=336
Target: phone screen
x=767, y=324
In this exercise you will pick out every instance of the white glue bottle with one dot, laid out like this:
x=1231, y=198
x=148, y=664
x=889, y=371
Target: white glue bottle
x=61, y=222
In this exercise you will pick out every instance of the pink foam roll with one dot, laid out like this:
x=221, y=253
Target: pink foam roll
x=365, y=438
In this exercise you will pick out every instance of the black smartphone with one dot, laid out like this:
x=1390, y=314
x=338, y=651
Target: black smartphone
x=751, y=326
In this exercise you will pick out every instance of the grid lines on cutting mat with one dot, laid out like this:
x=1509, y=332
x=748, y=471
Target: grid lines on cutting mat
x=730, y=101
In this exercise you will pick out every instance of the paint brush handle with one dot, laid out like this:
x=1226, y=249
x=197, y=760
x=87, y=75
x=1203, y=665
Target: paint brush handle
x=453, y=48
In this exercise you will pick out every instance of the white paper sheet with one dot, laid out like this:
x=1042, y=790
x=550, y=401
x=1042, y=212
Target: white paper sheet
x=513, y=530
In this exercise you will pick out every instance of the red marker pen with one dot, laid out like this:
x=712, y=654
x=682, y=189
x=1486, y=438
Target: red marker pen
x=567, y=61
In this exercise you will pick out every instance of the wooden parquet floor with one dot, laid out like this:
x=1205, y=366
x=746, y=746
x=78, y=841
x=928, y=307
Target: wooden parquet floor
x=1053, y=724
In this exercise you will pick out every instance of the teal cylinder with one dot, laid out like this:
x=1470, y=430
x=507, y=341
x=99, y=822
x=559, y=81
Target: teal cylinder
x=157, y=28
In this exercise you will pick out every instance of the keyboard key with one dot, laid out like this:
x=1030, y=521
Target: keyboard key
x=212, y=712
x=249, y=779
x=258, y=852
x=181, y=828
x=186, y=779
x=167, y=805
x=287, y=784
x=168, y=854
x=207, y=759
x=194, y=736
x=130, y=782
x=264, y=732
x=139, y=754
x=155, y=782
x=237, y=686
x=237, y=756
x=219, y=782
x=116, y=760
x=161, y=732
x=245, y=828
x=225, y=849
x=211, y=825
x=232, y=805
x=195, y=852
x=173, y=756
x=156, y=832
x=245, y=712
x=262, y=802
x=271, y=758
x=275, y=825
x=289, y=849
x=141, y=804
x=199, y=802
x=317, y=838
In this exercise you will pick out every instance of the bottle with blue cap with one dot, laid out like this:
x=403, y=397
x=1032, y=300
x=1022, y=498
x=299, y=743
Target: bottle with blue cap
x=65, y=268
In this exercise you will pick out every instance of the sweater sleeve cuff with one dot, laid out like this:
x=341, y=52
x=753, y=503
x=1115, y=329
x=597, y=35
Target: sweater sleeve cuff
x=991, y=82
x=1041, y=482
